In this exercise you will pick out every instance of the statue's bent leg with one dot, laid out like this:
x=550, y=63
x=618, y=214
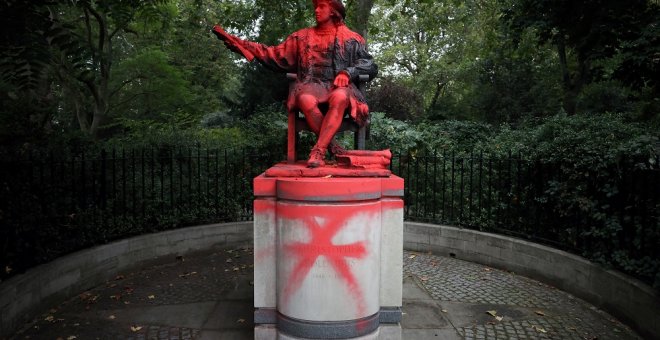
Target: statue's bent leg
x=338, y=101
x=309, y=105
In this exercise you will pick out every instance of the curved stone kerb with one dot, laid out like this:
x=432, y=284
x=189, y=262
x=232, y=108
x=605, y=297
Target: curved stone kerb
x=628, y=299
x=25, y=295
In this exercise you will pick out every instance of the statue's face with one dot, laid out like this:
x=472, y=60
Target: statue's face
x=323, y=12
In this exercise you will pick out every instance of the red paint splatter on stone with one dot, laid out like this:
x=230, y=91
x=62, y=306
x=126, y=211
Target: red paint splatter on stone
x=321, y=244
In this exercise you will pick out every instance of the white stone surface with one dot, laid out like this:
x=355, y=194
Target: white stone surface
x=390, y=332
x=323, y=293
x=391, y=261
x=265, y=263
x=265, y=332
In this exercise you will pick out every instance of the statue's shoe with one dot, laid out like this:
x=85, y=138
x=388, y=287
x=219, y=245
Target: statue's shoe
x=316, y=158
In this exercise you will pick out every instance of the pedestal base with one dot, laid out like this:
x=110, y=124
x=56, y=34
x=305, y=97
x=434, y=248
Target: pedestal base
x=328, y=257
x=384, y=332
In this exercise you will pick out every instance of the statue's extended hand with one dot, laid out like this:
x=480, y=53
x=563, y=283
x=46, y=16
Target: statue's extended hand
x=342, y=80
x=225, y=37
x=219, y=32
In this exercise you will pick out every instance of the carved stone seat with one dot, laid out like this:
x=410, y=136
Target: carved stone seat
x=297, y=123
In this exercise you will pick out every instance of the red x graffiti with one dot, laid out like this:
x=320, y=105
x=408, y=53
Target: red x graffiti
x=321, y=245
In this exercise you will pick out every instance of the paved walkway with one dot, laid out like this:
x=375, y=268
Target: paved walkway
x=209, y=296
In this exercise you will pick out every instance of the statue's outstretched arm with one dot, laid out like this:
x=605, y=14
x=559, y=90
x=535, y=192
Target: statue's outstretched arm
x=280, y=58
x=233, y=43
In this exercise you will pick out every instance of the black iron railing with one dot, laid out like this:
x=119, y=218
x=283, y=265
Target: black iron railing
x=52, y=204
x=55, y=203
x=609, y=214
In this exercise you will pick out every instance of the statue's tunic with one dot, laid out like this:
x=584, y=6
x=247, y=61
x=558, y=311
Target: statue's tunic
x=317, y=56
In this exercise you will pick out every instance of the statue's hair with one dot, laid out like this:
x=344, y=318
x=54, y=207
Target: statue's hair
x=338, y=9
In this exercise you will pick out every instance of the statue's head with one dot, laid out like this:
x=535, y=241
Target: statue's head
x=338, y=11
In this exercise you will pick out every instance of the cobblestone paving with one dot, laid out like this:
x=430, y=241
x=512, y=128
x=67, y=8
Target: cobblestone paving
x=527, y=308
x=553, y=314
x=455, y=280
x=97, y=313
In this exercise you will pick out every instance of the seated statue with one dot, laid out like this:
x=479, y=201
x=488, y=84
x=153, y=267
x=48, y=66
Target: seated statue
x=328, y=60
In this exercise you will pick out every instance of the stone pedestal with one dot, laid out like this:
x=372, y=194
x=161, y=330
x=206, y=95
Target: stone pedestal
x=328, y=257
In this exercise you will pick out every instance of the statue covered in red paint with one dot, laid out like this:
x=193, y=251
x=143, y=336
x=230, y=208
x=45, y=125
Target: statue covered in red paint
x=328, y=60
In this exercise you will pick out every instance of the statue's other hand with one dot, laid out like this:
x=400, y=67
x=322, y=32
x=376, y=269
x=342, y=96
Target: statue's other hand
x=342, y=80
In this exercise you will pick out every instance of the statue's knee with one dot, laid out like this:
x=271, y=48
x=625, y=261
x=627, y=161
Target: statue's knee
x=306, y=102
x=338, y=97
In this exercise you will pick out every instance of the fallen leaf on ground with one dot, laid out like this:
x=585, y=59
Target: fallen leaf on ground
x=499, y=318
x=236, y=269
x=112, y=317
x=539, y=329
x=492, y=312
x=424, y=278
x=444, y=311
x=49, y=318
x=71, y=337
x=136, y=328
x=487, y=269
x=412, y=256
x=229, y=261
x=538, y=312
x=151, y=297
x=240, y=320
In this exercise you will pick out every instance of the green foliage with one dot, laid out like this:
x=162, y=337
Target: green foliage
x=586, y=141
x=150, y=87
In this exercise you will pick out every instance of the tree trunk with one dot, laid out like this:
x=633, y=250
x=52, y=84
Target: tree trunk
x=360, y=10
x=572, y=84
x=570, y=97
x=438, y=90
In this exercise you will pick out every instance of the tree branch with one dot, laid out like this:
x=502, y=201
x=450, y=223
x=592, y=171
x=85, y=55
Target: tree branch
x=88, y=26
x=132, y=98
x=102, y=27
x=124, y=83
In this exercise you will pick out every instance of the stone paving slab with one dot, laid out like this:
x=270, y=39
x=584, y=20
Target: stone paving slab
x=209, y=295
